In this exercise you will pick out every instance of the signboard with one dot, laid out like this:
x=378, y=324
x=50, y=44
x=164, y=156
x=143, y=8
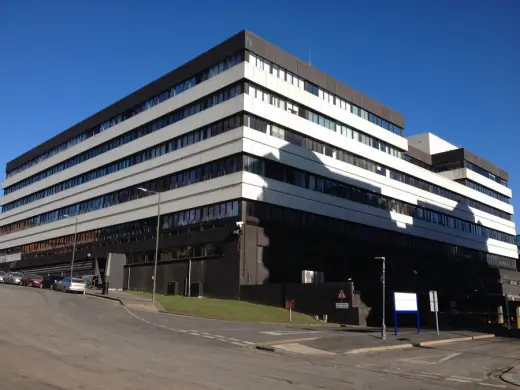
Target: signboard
x=342, y=305
x=289, y=304
x=405, y=302
x=434, y=303
x=341, y=295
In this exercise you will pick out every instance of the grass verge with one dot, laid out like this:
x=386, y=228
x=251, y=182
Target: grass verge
x=224, y=309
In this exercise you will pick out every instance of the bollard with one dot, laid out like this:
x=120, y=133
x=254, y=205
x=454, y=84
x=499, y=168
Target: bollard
x=500, y=315
x=518, y=317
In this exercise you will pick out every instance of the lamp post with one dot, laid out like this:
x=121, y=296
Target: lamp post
x=74, y=242
x=383, y=283
x=156, y=238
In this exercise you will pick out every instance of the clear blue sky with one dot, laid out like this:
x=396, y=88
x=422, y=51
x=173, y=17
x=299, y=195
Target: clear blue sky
x=451, y=67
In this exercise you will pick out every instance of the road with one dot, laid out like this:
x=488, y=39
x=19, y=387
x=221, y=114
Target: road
x=51, y=340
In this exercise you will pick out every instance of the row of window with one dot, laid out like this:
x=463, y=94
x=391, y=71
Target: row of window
x=175, y=90
x=298, y=82
x=485, y=173
x=176, y=253
x=175, y=116
x=452, y=165
x=271, y=215
x=264, y=168
x=485, y=190
x=350, y=158
x=274, y=170
x=330, y=124
x=180, y=179
x=180, y=142
x=141, y=228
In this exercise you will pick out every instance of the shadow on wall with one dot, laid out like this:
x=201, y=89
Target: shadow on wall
x=281, y=242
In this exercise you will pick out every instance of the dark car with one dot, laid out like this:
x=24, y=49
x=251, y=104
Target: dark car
x=31, y=280
x=50, y=281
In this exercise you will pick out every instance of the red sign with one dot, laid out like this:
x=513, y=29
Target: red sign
x=289, y=304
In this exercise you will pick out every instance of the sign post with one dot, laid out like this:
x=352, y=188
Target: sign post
x=289, y=304
x=434, y=307
x=507, y=313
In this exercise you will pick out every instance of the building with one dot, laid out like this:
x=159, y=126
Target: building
x=266, y=167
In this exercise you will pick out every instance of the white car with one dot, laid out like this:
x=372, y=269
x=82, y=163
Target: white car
x=13, y=277
x=2, y=276
x=71, y=285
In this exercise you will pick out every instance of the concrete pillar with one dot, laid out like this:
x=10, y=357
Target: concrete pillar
x=500, y=311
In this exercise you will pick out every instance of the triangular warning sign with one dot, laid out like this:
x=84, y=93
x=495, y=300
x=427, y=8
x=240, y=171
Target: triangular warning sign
x=342, y=295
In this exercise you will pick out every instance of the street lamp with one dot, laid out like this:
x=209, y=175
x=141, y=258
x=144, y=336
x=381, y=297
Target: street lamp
x=383, y=282
x=156, y=238
x=74, y=243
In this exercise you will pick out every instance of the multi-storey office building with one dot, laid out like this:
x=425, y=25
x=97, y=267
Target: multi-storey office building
x=321, y=176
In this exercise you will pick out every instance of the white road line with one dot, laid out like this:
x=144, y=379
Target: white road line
x=240, y=344
x=458, y=380
x=431, y=373
x=204, y=333
x=195, y=334
x=491, y=385
x=208, y=337
x=232, y=339
x=466, y=378
x=248, y=342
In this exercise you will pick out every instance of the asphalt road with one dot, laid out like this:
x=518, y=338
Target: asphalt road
x=51, y=340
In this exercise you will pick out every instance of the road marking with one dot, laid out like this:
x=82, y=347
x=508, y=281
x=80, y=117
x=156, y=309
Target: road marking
x=491, y=385
x=431, y=373
x=283, y=333
x=302, y=349
x=232, y=339
x=240, y=344
x=458, y=380
x=466, y=378
x=290, y=341
x=423, y=359
x=208, y=337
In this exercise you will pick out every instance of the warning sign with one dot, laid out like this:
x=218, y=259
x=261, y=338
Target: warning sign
x=341, y=295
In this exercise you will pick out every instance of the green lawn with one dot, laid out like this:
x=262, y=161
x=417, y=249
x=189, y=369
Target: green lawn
x=226, y=309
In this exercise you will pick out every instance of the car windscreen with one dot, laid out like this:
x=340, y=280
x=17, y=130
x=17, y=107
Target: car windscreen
x=75, y=280
x=17, y=274
x=35, y=277
x=2, y=273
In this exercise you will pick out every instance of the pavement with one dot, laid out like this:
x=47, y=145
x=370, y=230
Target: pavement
x=512, y=376
x=51, y=340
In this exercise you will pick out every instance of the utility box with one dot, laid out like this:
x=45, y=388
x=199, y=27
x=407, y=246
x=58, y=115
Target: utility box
x=196, y=289
x=172, y=288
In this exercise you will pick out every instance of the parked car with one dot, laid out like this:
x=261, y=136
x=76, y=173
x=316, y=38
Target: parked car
x=2, y=276
x=13, y=277
x=32, y=280
x=50, y=281
x=71, y=285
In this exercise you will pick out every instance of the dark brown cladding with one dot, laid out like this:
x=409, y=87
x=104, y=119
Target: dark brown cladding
x=464, y=154
x=419, y=155
x=242, y=40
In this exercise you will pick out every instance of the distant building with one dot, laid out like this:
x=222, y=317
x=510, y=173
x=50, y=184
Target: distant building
x=320, y=175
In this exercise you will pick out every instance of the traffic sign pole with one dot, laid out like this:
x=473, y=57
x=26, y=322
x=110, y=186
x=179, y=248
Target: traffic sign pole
x=434, y=306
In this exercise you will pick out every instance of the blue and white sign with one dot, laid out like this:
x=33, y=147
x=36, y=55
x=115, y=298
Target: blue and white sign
x=405, y=303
